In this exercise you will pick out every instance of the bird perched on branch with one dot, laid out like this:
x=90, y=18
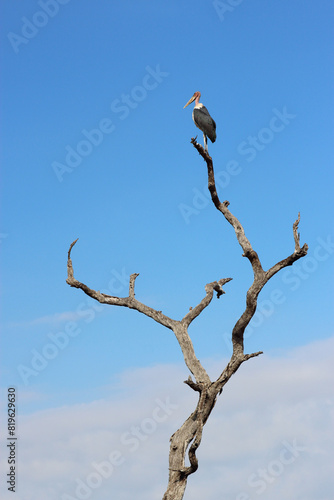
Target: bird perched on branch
x=202, y=119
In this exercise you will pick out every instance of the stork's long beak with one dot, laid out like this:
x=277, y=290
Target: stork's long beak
x=190, y=101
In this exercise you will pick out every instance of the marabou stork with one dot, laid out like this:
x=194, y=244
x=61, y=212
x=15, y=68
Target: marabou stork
x=202, y=119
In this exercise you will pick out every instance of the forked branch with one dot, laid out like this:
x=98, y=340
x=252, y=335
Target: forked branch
x=180, y=328
x=261, y=277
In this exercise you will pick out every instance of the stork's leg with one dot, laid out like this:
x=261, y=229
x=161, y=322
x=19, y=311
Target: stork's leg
x=205, y=142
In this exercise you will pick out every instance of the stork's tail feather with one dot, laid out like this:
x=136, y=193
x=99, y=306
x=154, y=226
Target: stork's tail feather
x=213, y=137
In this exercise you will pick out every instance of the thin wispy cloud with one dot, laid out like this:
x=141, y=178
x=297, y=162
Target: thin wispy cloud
x=49, y=320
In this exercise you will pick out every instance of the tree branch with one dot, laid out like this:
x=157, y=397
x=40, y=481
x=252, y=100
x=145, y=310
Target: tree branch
x=216, y=286
x=223, y=208
x=296, y=235
x=297, y=254
x=129, y=301
x=198, y=436
x=192, y=384
x=132, y=285
x=178, y=327
x=260, y=276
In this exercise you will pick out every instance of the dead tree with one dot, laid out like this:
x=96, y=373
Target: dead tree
x=189, y=436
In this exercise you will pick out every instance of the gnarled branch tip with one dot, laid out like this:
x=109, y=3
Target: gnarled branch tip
x=71, y=246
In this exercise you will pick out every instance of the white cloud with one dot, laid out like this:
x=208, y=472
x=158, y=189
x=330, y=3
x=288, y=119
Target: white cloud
x=268, y=436
x=50, y=319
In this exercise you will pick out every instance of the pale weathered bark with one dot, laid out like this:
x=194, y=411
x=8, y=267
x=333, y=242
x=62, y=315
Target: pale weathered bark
x=188, y=437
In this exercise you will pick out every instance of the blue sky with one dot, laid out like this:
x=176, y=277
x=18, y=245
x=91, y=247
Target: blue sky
x=96, y=146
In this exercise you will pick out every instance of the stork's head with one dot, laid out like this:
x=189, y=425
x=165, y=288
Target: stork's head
x=197, y=96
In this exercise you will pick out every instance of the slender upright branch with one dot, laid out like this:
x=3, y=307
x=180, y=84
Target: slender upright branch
x=132, y=284
x=223, y=208
x=296, y=235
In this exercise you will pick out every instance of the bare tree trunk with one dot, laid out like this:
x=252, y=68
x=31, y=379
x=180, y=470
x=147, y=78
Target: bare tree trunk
x=188, y=438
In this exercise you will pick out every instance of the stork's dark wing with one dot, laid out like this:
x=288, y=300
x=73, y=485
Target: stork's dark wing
x=204, y=122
